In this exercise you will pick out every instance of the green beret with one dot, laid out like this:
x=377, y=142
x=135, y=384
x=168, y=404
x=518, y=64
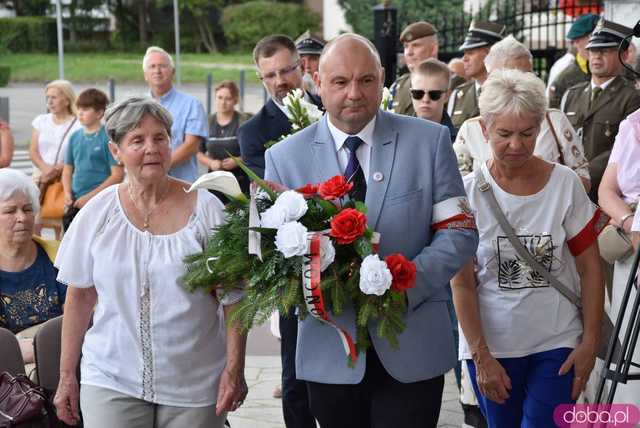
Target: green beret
x=582, y=26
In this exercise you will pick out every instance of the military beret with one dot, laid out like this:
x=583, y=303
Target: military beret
x=483, y=34
x=582, y=26
x=307, y=44
x=608, y=34
x=417, y=30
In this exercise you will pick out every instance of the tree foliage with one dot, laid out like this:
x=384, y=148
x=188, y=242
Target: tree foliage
x=359, y=13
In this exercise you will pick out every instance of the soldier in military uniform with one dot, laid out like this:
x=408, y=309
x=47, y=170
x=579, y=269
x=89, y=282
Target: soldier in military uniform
x=463, y=103
x=596, y=108
x=578, y=70
x=420, y=41
x=309, y=48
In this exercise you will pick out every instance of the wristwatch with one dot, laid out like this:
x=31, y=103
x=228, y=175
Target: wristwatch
x=624, y=218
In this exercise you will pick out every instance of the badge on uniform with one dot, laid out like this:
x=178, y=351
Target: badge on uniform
x=568, y=135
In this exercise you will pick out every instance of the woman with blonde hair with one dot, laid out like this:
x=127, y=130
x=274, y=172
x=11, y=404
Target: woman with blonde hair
x=527, y=346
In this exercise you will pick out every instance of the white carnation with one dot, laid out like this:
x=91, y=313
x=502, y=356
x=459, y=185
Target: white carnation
x=293, y=204
x=327, y=253
x=291, y=239
x=273, y=217
x=375, y=276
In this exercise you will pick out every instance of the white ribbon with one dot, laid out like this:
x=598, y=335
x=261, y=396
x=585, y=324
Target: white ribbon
x=254, y=221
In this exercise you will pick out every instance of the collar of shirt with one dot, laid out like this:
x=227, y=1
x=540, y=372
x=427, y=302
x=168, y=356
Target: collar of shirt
x=478, y=86
x=166, y=97
x=604, y=85
x=364, y=151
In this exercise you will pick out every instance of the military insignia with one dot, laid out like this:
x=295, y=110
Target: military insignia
x=607, y=131
x=459, y=94
x=599, y=26
x=568, y=135
x=571, y=113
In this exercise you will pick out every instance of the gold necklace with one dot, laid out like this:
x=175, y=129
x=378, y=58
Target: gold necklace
x=147, y=214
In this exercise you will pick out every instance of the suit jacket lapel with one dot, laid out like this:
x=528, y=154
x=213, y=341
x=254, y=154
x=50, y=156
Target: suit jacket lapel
x=325, y=157
x=383, y=150
x=282, y=126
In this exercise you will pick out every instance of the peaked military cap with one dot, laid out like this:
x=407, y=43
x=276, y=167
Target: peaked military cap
x=417, y=30
x=582, y=26
x=483, y=34
x=608, y=34
x=307, y=44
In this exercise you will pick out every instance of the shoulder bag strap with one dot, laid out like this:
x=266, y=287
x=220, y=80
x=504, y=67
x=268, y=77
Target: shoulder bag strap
x=485, y=188
x=555, y=137
x=63, y=137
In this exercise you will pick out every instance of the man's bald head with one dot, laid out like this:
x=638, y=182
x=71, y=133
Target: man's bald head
x=348, y=41
x=349, y=81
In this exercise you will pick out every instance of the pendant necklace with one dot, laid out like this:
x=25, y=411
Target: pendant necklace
x=147, y=214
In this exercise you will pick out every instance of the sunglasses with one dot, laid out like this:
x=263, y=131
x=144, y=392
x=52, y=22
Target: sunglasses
x=418, y=94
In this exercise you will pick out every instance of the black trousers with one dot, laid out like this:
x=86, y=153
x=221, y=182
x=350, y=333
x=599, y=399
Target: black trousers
x=295, y=402
x=379, y=401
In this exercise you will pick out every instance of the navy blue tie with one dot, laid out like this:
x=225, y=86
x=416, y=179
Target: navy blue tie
x=354, y=172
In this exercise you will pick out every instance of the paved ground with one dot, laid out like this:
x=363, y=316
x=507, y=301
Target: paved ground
x=261, y=410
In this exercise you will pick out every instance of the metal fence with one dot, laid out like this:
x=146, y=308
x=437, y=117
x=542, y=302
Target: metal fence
x=540, y=24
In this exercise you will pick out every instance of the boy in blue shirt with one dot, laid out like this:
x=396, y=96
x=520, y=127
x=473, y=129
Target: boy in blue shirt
x=89, y=166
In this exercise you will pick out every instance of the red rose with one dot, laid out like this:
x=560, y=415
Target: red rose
x=308, y=190
x=403, y=272
x=348, y=225
x=334, y=188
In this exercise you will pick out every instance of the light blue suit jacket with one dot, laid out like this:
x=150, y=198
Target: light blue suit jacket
x=419, y=169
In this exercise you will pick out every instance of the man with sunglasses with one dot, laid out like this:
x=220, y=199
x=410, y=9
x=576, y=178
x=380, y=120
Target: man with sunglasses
x=463, y=103
x=279, y=69
x=429, y=91
x=420, y=42
x=596, y=108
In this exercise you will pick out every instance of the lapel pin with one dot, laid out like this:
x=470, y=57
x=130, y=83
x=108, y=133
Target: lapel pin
x=377, y=176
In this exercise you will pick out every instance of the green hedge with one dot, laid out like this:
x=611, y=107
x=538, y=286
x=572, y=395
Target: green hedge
x=245, y=24
x=28, y=34
x=5, y=75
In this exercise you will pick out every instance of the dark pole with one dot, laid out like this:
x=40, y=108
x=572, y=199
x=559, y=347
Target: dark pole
x=385, y=35
x=209, y=86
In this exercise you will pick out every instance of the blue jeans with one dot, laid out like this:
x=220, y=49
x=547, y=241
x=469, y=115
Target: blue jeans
x=537, y=390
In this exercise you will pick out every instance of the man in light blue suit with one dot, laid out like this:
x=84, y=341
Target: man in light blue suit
x=406, y=172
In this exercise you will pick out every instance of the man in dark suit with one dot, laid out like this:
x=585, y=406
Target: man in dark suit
x=279, y=69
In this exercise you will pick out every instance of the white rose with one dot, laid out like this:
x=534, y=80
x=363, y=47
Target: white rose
x=273, y=217
x=327, y=253
x=293, y=204
x=291, y=239
x=313, y=112
x=375, y=276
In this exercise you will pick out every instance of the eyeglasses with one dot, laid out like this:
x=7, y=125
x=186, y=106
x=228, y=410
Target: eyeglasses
x=282, y=72
x=418, y=94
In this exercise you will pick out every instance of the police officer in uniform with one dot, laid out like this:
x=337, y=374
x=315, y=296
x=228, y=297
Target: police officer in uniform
x=578, y=70
x=420, y=41
x=596, y=108
x=309, y=48
x=463, y=103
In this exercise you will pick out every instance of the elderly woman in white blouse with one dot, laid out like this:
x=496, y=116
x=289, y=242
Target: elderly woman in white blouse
x=527, y=347
x=156, y=355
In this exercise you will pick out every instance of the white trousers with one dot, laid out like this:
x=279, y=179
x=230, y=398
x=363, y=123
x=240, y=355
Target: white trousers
x=105, y=408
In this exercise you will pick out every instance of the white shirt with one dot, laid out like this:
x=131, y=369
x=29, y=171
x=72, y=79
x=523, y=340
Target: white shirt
x=472, y=149
x=49, y=137
x=558, y=67
x=363, y=153
x=635, y=227
x=602, y=86
x=150, y=338
x=521, y=313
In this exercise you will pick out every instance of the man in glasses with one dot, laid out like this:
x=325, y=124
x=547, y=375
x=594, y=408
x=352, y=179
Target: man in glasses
x=420, y=42
x=596, y=108
x=429, y=92
x=279, y=69
x=463, y=103
x=278, y=64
